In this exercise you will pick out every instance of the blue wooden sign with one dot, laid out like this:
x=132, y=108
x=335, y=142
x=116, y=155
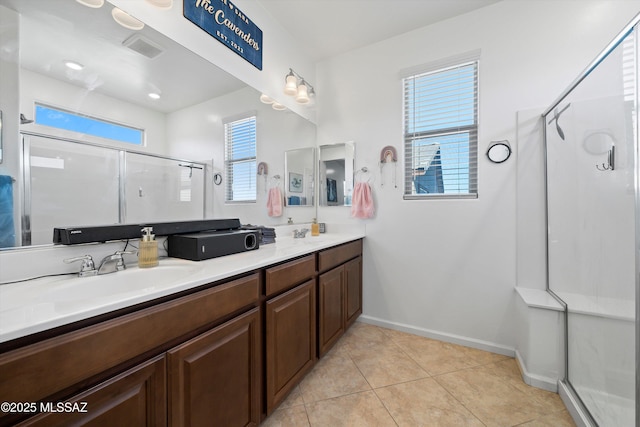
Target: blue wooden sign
x=224, y=21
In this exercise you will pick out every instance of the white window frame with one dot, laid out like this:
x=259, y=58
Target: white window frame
x=247, y=180
x=445, y=131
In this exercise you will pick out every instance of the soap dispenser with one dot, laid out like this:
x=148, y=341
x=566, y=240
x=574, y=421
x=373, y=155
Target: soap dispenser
x=315, y=228
x=148, y=250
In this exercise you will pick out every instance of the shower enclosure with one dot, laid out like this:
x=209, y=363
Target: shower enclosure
x=593, y=206
x=74, y=183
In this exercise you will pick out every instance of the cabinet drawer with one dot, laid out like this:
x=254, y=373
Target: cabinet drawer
x=34, y=372
x=136, y=397
x=287, y=275
x=330, y=258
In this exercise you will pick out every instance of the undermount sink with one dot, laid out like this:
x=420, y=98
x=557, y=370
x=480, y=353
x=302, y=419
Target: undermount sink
x=60, y=292
x=40, y=300
x=133, y=280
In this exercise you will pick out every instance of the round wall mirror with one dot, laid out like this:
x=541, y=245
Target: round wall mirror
x=499, y=152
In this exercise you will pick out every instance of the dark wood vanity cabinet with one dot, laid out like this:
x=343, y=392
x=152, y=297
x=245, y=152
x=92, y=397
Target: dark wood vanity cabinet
x=353, y=290
x=214, y=378
x=105, y=362
x=136, y=397
x=339, y=292
x=290, y=330
x=225, y=354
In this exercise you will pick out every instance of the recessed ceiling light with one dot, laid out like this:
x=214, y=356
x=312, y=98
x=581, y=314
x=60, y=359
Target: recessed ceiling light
x=278, y=106
x=126, y=20
x=162, y=4
x=154, y=95
x=91, y=3
x=265, y=99
x=74, y=65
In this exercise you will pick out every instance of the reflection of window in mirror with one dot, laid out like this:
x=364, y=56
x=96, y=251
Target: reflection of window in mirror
x=336, y=174
x=240, y=160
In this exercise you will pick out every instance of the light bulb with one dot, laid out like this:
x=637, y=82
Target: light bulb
x=290, y=88
x=303, y=96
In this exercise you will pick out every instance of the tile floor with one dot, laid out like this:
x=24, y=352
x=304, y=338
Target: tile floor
x=381, y=377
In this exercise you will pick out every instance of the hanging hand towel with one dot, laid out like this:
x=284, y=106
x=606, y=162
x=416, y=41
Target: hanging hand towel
x=274, y=202
x=7, y=231
x=362, y=201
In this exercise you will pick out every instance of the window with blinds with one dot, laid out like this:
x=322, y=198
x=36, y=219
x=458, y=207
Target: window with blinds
x=240, y=160
x=441, y=132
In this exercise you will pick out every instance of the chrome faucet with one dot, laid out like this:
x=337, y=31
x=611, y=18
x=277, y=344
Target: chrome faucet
x=87, y=268
x=300, y=234
x=114, y=262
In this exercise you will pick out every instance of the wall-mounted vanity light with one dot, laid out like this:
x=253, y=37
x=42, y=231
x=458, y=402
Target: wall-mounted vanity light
x=296, y=85
x=499, y=151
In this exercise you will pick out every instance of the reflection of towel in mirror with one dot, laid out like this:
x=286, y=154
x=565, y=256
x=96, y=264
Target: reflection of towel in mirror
x=7, y=232
x=274, y=202
x=362, y=201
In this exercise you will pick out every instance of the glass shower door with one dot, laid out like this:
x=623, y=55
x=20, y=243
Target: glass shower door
x=159, y=189
x=69, y=184
x=590, y=142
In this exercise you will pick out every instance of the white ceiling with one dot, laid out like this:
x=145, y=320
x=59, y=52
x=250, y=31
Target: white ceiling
x=331, y=27
x=55, y=30
x=52, y=31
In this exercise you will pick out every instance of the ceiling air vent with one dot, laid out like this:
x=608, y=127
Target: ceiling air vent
x=143, y=46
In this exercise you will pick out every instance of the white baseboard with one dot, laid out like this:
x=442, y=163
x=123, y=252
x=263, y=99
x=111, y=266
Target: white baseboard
x=534, y=380
x=454, y=339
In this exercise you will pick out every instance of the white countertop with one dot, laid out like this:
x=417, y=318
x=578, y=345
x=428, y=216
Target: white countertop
x=41, y=304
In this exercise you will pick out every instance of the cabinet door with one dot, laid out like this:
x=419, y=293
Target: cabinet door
x=290, y=340
x=353, y=290
x=331, y=308
x=214, y=378
x=136, y=397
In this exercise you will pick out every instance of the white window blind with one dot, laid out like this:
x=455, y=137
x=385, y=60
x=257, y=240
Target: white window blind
x=240, y=160
x=441, y=132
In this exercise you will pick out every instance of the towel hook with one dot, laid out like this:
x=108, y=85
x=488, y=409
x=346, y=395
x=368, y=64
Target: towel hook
x=611, y=161
x=364, y=171
x=274, y=181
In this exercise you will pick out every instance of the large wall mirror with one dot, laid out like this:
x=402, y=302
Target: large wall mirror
x=121, y=67
x=336, y=174
x=299, y=179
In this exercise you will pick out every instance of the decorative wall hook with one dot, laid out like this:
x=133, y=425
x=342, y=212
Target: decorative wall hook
x=263, y=169
x=611, y=161
x=389, y=155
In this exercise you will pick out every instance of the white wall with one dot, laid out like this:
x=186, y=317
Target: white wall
x=449, y=266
